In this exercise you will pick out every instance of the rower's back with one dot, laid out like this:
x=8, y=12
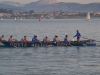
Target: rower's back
x=10, y=39
x=2, y=38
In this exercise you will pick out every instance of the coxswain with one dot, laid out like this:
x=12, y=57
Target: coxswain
x=24, y=39
x=2, y=38
x=78, y=35
x=46, y=40
x=66, y=41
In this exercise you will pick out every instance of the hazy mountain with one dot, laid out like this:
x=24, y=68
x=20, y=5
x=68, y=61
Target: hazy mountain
x=10, y=7
x=61, y=6
x=11, y=3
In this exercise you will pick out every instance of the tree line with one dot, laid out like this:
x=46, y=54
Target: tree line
x=6, y=11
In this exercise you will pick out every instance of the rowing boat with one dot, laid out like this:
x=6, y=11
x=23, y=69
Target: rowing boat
x=61, y=43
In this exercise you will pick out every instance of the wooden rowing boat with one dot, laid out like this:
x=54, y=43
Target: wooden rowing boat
x=61, y=43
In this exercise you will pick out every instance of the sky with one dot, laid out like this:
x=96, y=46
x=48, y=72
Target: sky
x=77, y=1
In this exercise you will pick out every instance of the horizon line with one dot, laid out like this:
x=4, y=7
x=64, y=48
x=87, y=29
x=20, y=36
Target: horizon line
x=57, y=2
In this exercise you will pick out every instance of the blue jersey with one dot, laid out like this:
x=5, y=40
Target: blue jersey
x=34, y=40
x=44, y=41
x=21, y=40
x=9, y=40
x=54, y=41
x=65, y=40
x=78, y=35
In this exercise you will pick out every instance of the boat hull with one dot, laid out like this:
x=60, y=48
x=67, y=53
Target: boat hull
x=30, y=44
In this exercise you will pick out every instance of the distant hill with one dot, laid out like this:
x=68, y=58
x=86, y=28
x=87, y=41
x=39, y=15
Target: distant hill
x=11, y=3
x=61, y=6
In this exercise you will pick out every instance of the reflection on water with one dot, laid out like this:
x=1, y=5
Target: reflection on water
x=50, y=60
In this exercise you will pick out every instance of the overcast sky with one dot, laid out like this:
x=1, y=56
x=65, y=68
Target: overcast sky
x=78, y=1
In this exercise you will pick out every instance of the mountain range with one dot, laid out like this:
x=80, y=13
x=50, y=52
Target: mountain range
x=11, y=3
x=61, y=6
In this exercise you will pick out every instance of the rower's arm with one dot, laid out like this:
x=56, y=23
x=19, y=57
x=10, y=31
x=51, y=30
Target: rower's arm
x=75, y=35
x=47, y=40
x=57, y=40
x=15, y=39
x=11, y=40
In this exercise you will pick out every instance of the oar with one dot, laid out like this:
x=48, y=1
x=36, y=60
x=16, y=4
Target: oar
x=97, y=41
x=89, y=39
x=85, y=38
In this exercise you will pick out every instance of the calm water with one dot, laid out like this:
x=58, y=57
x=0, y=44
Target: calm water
x=50, y=60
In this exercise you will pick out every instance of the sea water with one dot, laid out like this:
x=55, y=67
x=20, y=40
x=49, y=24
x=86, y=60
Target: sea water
x=50, y=60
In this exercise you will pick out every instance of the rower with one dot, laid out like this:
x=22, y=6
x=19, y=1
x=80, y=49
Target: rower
x=55, y=40
x=24, y=39
x=78, y=35
x=11, y=39
x=35, y=40
x=2, y=38
x=46, y=40
x=66, y=41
